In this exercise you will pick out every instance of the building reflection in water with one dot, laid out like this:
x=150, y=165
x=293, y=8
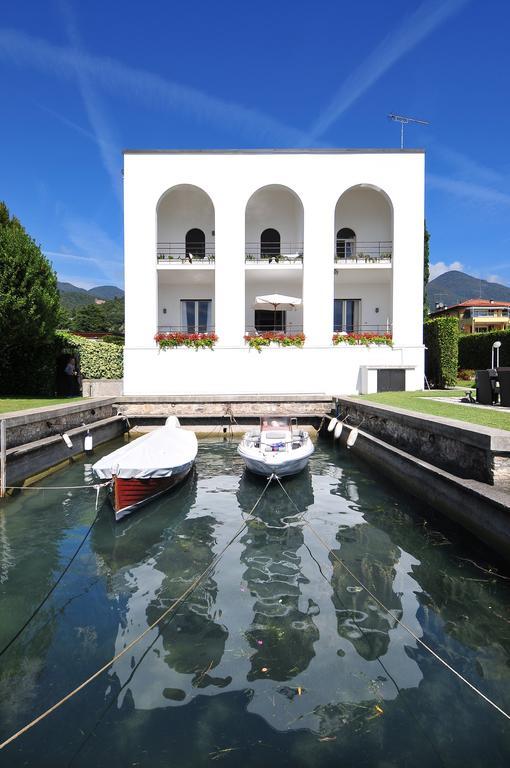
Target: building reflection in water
x=282, y=632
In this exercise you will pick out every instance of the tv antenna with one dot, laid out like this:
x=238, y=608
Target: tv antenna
x=403, y=120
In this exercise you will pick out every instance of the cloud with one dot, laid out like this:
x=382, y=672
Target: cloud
x=474, y=193
x=466, y=166
x=439, y=268
x=494, y=279
x=109, y=148
x=400, y=41
x=92, y=247
x=142, y=86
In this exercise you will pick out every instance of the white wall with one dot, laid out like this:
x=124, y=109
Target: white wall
x=230, y=179
x=182, y=209
x=174, y=286
x=278, y=208
x=367, y=213
x=374, y=291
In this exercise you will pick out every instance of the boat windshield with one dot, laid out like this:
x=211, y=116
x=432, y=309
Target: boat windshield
x=270, y=423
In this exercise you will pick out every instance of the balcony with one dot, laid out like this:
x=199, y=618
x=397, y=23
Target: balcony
x=267, y=253
x=353, y=252
x=178, y=254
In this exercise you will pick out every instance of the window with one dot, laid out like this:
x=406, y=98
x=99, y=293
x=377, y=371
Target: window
x=195, y=244
x=345, y=243
x=270, y=243
x=196, y=315
x=347, y=315
x=267, y=320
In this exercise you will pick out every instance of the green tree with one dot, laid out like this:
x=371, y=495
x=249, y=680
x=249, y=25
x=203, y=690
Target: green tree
x=29, y=307
x=426, y=272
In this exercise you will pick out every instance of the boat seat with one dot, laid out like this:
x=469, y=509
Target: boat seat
x=275, y=435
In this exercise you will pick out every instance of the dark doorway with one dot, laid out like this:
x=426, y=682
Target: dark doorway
x=195, y=244
x=270, y=243
x=345, y=243
x=268, y=320
x=391, y=380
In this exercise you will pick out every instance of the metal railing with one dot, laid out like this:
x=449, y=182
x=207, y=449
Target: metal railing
x=381, y=328
x=366, y=252
x=274, y=252
x=190, y=254
x=286, y=328
x=197, y=328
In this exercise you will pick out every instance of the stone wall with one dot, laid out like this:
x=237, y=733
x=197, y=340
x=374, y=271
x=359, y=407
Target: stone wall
x=465, y=450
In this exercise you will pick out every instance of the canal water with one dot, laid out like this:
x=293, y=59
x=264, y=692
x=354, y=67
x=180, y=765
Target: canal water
x=279, y=658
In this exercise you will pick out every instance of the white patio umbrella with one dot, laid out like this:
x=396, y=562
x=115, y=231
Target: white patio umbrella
x=278, y=302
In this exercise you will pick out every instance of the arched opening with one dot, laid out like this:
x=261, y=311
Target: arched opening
x=345, y=243
x=363, y=261
x=195, y=244
x=185, y=253
x=270, y=243
x=274, y=259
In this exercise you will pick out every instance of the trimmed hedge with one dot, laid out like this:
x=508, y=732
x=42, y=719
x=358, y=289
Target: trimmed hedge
x=475, y=349
x=441, y=337
x=98, y=359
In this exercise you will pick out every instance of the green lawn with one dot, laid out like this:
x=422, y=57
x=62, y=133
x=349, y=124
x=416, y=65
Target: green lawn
x=23, y=403
x=421, y=402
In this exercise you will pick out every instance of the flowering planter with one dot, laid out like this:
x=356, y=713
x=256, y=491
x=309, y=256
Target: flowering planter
x=190, y=340
x=363, y=339
x=274, y=339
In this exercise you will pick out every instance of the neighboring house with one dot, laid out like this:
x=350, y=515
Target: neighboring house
x=477, y=315
x=206, y=232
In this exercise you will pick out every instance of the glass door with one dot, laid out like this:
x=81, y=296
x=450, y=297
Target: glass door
x=196, y=315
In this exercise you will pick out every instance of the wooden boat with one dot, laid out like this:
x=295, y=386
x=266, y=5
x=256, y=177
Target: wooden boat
x=277, y=447
x=147, y=467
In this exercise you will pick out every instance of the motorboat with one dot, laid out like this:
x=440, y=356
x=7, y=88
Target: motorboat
x=147, y=467
x=277, y=447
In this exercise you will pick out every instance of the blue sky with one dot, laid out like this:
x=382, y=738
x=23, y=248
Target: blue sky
x=82, y=81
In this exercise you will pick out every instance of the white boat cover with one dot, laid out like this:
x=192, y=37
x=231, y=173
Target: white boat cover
x=161, y=453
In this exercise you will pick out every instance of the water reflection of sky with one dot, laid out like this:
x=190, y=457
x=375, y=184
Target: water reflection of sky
x=279, y=630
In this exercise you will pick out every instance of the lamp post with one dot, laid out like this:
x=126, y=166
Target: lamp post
x=495, y=354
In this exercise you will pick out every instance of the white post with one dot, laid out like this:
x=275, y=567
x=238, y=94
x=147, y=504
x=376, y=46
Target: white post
x=229, y=290
x=3, y=451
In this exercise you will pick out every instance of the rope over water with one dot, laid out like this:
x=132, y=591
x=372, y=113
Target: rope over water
x=387, y=610
x=195, y=583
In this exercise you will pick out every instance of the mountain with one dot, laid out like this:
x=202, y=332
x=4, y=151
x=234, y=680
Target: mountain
x=107, y=292
x=71, y=296
x=454, y=286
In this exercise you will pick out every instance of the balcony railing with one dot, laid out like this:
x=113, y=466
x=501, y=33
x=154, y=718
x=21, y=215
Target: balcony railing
x=191, y=254
x=352, y=252
x=274, y=253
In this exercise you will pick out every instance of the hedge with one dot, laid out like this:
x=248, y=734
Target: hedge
x=441, y=337
x=98, y=359
x=475, y=349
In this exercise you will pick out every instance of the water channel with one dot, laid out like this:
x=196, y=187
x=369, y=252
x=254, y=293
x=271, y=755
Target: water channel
x=279, y=658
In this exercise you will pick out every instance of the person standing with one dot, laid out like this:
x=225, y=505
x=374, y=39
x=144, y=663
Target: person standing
x=70, y=374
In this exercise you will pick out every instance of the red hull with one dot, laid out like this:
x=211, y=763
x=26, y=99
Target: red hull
x=129, y=494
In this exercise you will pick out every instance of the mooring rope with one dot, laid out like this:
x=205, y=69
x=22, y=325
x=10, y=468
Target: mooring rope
x=61, y=576
x=395, y=618
x=187, y=592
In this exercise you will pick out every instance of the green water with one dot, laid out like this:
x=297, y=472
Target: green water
x=278, y=658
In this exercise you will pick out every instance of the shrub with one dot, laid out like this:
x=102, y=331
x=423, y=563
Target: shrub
x=441, y=337
x=29, y=308
x=466, y=374
x=98, y=359
x=475, y=349
x=364, y=339
x=277, y=337
x=193, y=340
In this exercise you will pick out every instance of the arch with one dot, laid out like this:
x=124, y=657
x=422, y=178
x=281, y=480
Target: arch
x=195, y=243
x=274, y=213
x=363, y=223
x=185, y=223
x=270, y=243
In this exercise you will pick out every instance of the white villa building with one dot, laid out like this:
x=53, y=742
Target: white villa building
x=207, y=232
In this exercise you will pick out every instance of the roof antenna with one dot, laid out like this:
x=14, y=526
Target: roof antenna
x=405, y=121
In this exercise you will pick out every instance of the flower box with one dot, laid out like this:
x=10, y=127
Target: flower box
x=190, y=340
x=275, y=338
x=365, y=339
